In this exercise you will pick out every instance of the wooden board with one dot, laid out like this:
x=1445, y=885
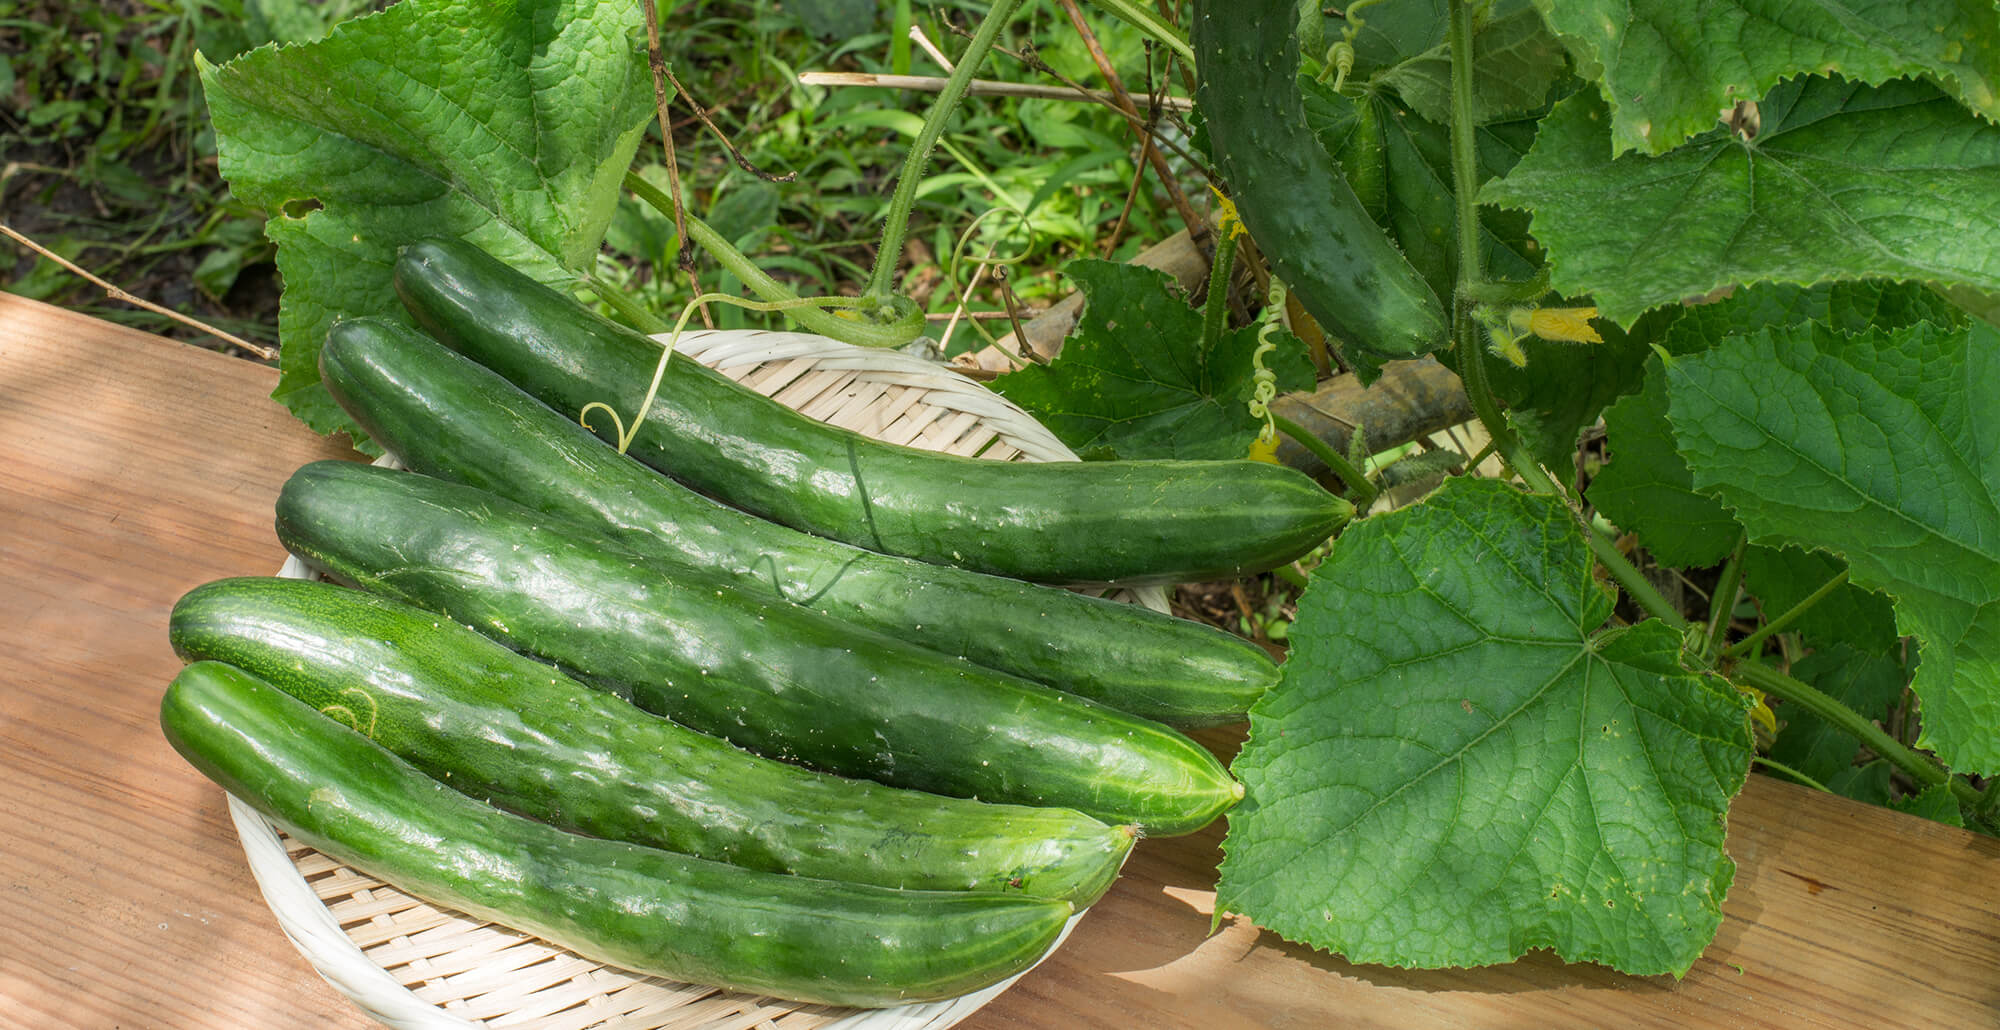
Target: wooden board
x=132, y=469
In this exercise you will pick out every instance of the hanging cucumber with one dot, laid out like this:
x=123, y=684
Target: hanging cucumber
x=644, y=909
x=513, y=732
x=777, y=679
x=1307, y=221
x=445, y=416
x=1060, y=522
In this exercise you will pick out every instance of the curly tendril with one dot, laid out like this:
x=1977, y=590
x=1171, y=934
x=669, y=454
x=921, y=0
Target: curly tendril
x=1264, y=382
x=958, y=257
x=1341, y=54
x=626, y=433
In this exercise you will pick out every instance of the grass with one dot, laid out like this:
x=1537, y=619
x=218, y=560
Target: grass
x=109, y=159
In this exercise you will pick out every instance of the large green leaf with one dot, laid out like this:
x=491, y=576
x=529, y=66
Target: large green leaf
x=1845, y=182
x=1884, y=449
x=1132, y=380
x=1667, y=66
x=1462, y=763
x=1647, y=488
x=508, y=123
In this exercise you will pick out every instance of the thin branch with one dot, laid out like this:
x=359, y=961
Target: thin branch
x=741, y=161
x=1124, y=103
x=923, y=42
x=685, y=256
x=1005, y=282
x=980, y=87
x=1125, y=211
x=117, y=294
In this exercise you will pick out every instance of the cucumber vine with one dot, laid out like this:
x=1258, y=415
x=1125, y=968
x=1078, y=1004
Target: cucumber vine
x=1466, y=327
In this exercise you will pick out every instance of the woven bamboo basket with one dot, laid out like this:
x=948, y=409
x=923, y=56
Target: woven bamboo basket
x=414, y=966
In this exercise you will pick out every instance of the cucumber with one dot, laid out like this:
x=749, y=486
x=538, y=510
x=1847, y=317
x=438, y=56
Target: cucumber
x=515, y=733
x=445, y=416
x=780, y=680
x=1059, y=522
x=644, y=909
x=1307, y=221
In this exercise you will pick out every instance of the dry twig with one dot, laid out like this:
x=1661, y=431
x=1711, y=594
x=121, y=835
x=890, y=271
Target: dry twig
x=115, y=293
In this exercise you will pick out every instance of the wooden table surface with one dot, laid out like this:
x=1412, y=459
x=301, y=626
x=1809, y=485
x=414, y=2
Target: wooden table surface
x=133, y=469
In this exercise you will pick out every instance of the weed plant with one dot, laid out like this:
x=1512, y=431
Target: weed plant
x=107, y=158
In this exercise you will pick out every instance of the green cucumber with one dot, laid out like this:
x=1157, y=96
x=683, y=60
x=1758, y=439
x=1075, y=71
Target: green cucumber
x=518, y=734
x=1059, y=522
x=777, y=679
x=444, y=415
x=641, y=908
x=1307, y=221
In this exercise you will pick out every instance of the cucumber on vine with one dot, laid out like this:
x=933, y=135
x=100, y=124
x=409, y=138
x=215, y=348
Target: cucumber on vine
x=1309, y=224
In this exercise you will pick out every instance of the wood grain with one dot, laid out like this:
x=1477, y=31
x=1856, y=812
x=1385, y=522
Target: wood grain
x=135, y=469
x=131, y=469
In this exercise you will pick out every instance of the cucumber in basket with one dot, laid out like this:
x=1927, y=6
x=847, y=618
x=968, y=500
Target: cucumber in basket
x=518, y=734
x=777, y=679
x=644, y=909
x=1060, y=522
x=444, y=415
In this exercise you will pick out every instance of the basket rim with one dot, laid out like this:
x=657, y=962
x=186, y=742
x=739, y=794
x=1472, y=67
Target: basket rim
x=310, y=925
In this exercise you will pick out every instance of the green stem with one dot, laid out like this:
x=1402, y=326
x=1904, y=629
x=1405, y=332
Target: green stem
x=1471, y=357
x=1150, y=23
x=1364, y=491
x=1854, y=724
x=897, y=220
x=1793, y=773
x=634, y=314
x=1748, y=645
x=1722, y=603
x=1464, y=158
x=1291, y=575
x=862, y=332
x=1634, y=583
x=1465, y=329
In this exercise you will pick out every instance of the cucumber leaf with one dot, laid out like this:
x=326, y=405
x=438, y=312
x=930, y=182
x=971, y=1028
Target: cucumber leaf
x=1936, y=803
x=1564, y=387
x=507, y=124
x=1462, y=762
x=1872, y=784
x=1667, y=66
x=1884, y=449
x=1646, y=488
x=1844, y=182
x=1132, y=382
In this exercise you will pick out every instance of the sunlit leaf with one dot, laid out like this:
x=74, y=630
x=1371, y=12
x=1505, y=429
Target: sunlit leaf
x=1464, y=762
